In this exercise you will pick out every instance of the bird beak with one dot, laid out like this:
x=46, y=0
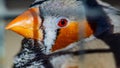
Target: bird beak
x=27, y=24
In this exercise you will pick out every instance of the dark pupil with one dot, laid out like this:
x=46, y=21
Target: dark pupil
x=63, y=22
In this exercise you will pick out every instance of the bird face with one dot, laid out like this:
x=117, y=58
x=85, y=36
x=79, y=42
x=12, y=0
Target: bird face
x=56, y=25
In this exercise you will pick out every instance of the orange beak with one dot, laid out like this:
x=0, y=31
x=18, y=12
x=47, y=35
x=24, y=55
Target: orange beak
x=27, y=24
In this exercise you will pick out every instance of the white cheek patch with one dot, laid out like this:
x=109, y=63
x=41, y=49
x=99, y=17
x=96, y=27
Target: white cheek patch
x=50, y=33
x=50, y=36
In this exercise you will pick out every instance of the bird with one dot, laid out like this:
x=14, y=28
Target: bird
x=61, y=28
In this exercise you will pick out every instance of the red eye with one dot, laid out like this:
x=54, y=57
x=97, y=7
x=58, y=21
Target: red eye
x=62, y=22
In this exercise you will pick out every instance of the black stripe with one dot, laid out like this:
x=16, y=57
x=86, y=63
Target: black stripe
x=42, y=27
x=43, y=36
x=57, y=34
x=37, y=3
x=80, y=52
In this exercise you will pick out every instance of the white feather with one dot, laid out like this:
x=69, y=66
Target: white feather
x=50, y=32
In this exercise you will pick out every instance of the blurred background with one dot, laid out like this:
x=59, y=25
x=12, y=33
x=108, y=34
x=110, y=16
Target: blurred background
x=9, y=41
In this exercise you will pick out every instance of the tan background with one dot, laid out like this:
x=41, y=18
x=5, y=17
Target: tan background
x=12, y=46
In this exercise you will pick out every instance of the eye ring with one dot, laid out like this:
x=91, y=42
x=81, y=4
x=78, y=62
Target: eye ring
x=62, y=22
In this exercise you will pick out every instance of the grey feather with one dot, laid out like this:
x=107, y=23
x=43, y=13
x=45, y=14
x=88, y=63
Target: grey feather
x=66, y=8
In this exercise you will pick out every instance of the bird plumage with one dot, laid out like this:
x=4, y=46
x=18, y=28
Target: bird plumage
x=27, y=53
x=62, y=26
x=72, y=56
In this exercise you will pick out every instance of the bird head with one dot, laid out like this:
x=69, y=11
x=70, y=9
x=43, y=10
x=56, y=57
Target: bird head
x=56, y=23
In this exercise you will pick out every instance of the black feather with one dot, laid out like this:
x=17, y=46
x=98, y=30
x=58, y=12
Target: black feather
x=97, y=18
x=38, y=3
x=31, y=53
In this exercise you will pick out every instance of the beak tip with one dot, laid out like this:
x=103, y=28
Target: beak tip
x=7, y=28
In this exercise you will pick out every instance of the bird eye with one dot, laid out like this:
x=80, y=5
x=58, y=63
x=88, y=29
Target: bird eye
x=62, y=22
